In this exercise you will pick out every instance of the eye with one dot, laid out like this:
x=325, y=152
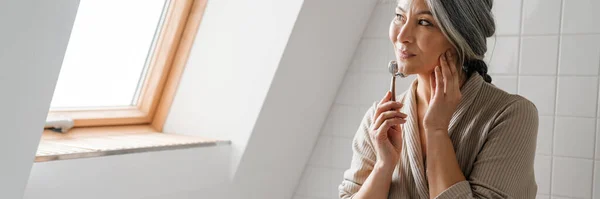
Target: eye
x=399, y=17
x=424, y=22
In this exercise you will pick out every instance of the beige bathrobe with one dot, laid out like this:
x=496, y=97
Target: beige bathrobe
x=494, y=137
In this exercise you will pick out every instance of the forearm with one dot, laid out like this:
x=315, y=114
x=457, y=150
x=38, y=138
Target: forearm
x=377, y=185
x=443, y=170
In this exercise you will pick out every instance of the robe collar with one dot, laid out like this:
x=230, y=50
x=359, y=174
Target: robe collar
x=411, y=137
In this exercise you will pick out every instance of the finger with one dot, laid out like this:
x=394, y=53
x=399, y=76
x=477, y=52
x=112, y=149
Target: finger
x=452, y=63
x=439, y=85
x=386, y=97
x=386, y=106
x=387, y=115
x=455, y=80
x=390, y=114
x=396, y=113
x=382, y=133
x=446, y=75
x=432, y=84
x=395, y=135
x=397, y=127
x=389, y=105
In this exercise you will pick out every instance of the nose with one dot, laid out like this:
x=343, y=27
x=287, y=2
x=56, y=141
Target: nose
x=406, y=34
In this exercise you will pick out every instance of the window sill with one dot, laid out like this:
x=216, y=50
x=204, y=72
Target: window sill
x=105, y=141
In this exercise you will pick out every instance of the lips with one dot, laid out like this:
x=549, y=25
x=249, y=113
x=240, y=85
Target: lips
x=405, y=54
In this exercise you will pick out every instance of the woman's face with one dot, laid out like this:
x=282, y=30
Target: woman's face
x=417, y=38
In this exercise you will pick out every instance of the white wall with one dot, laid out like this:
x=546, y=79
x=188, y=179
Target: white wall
x=33, y=41
x=235, y=55
x=293, y=98
x=546, y=50
x=263, y=74
x=191, y=173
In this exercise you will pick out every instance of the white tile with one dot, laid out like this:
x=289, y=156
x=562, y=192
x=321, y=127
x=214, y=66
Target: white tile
x=541, y=196
x=322, y=152
x=544, y=137
x=365, y=88
x=303, y=197
x=561, y=197
x=506, y=83
x=596, y=179
x=341, y=153
x=307, y=197
x=320, y=182
x=579, y=55
x=344, y=120
x=379, y=23
x=598, y=112
x=574, y=137
x=577, y=96
x=541, y=16
x=386, y=1
x=504, y=59
x=491, y=47
x=328, y=126
x=542, y=168
x=572, y=177
x=581, y=16
x=539, y=55
x=598, y=141
x=508, y=16
x=332, y=152
x=315, y=182
x=540, y=90
x=373, y=54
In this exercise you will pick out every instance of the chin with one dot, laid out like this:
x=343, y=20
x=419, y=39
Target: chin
x=410, y=68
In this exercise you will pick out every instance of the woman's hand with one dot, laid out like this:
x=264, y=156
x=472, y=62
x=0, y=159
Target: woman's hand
x=445, y=96
x=386, y=133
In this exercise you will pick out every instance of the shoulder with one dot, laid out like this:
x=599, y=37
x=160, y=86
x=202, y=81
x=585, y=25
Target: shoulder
x=505, y=103
x=510, y=110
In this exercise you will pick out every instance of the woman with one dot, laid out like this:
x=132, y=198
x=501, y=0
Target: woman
x=452, y=134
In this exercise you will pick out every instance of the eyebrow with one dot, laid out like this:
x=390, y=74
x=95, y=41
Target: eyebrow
x=426, y=12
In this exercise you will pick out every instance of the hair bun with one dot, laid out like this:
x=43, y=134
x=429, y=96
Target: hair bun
x=489, y=3
x=488, y=32
x=477, y=66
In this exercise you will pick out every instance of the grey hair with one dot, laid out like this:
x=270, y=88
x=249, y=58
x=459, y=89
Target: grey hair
x=466, y=24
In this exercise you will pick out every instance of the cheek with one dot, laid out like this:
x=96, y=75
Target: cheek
x=393, y=32
x=431, y=48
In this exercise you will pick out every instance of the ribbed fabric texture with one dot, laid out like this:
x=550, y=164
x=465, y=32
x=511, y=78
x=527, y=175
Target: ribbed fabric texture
x=494, y=137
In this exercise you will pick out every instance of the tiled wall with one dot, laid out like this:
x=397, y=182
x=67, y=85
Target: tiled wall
x=545, y=50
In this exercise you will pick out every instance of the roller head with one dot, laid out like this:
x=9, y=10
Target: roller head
x=393, y=69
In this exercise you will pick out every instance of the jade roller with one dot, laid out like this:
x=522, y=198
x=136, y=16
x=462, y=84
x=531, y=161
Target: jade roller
x=393, y=69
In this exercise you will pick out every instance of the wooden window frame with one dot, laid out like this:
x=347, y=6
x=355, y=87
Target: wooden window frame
x=166, y=66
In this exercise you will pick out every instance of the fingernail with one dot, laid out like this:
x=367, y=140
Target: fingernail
x=444, y=58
